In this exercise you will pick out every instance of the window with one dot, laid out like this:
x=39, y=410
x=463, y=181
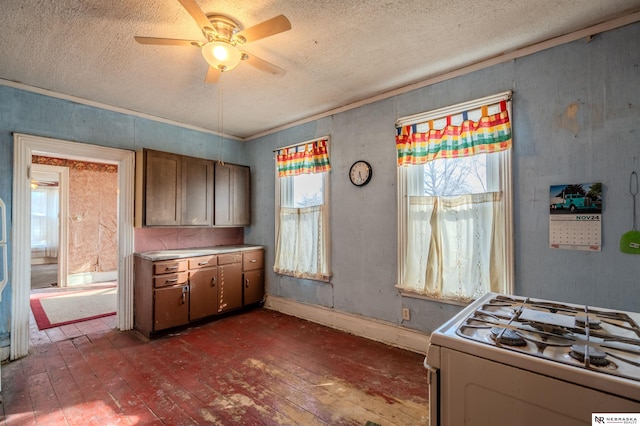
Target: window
x=302, y=211
x=44, y=221
x=454, y=201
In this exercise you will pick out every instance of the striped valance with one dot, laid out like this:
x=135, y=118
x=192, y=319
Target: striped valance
x=491, y=133
x=306, y=158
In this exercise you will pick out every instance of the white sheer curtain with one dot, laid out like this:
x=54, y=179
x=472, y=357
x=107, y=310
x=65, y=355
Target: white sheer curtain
x=455, y=245
x=44, y=221
x=302, y=235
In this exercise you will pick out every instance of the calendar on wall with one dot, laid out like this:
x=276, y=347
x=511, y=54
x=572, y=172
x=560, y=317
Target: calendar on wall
x=575, y=216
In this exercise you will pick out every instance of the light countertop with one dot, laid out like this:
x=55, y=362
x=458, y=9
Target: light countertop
x=194, y=252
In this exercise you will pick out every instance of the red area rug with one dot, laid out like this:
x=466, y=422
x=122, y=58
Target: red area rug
x=53, y=309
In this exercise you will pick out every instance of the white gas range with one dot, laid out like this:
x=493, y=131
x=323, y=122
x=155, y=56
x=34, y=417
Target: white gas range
x=513, y=360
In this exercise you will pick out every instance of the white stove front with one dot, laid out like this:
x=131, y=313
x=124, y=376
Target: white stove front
x=506, y=356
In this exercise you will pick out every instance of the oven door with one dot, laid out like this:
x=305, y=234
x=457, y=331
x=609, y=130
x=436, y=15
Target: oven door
x=476, y=391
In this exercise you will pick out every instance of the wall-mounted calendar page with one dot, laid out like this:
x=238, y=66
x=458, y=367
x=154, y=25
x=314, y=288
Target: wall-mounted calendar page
x=575, y=216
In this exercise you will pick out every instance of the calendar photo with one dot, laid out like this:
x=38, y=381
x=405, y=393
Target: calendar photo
x=575, y=216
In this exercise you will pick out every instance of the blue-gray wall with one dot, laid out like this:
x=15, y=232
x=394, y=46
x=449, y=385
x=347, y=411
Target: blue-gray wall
x=34, y=114
x=598, y=79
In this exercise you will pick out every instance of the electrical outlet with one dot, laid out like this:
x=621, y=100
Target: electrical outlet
x=406, y=314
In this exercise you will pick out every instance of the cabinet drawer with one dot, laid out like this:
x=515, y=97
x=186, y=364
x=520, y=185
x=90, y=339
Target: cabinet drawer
x=226, y=259
x=252, y=260
x=203, y=262
x=169, y=267
x=170, y=279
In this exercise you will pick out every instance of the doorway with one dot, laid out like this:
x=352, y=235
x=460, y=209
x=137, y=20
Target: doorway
x=25, y=146
x=49, y=187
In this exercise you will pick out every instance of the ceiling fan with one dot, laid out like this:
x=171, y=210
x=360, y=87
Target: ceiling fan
x=223, y=36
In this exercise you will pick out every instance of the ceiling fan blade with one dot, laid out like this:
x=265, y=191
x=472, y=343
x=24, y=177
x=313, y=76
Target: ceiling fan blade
x=263, y=65
x=167, y=41
x=212, y=75
x=196, y=13
x=265, y=29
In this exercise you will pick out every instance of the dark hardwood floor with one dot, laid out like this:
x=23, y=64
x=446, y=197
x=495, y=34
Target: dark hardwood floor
x=255, y=368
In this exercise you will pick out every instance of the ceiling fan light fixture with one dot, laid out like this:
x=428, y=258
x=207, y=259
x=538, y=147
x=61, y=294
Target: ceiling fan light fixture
x=221, y=55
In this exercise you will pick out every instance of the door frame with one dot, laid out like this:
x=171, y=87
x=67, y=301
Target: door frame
x=63, y=235
x=24, y=147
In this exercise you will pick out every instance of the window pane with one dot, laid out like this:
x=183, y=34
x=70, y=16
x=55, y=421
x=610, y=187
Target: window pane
x=308, y=190
x=456, y=176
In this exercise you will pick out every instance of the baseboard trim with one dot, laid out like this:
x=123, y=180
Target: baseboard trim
x=83, y=278
x=358, y=325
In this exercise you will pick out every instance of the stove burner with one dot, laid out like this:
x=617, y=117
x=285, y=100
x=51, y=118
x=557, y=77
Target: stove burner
x=507, y=337
x=596, y=356
x=594, y=324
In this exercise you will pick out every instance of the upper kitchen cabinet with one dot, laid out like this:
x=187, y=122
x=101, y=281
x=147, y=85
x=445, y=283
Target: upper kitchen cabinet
x=232, y=195
x=197, y=192
x=173, y=190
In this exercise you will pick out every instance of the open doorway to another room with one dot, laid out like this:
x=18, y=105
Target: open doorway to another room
x=96, y=248
x=74, y=240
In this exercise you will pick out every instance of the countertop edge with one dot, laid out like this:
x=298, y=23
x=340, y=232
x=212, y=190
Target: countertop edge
x=171, y=254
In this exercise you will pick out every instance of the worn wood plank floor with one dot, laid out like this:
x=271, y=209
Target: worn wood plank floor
x=254, y=368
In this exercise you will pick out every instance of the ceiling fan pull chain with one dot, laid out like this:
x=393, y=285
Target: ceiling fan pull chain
x=220, y=117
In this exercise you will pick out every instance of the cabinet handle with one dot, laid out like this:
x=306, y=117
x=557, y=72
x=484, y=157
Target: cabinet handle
x=184, y=294
x=203, y=263
x=246, y=283
x=254, y=260
x=213, y=281
x=175, y=280
x=170, y=268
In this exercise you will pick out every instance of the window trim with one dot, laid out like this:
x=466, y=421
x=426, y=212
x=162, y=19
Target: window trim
x=506, y=182
x=327, y=202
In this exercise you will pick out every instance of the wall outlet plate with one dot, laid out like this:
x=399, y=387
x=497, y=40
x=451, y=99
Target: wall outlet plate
x=406, y=314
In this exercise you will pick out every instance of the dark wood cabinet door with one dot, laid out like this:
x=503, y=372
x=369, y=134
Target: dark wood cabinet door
x=230, y=287
x=241, y=195
x=162, y=188
x=197, y=192
x=253, y=287
x=203, y=285
x=232, y=195
x=171, y=307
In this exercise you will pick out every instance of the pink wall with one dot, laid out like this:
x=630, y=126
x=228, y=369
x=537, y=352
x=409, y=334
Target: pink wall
x=93, y=214
x=149, y=239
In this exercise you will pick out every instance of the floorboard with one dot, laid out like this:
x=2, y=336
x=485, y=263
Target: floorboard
x=254, y=368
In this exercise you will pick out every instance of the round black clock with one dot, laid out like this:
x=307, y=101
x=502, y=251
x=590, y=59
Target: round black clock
x=360, y=173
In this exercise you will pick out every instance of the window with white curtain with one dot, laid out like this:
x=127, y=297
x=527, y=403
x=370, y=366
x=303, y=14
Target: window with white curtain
x=302, y=211
x=454, y=201
x=44, y=221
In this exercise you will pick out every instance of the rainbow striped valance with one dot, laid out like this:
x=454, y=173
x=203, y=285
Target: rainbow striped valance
x=491, y=133
x=307, y=158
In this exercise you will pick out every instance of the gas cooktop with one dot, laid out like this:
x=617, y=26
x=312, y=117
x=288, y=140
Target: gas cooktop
x=596, y=339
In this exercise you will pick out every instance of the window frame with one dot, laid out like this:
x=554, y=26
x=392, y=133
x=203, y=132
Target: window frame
x=506, y=186
x=326, y=203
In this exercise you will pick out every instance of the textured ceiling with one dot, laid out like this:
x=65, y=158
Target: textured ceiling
x=338, y=51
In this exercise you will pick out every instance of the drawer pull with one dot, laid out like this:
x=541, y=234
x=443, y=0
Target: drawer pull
x=175, y=280
x=171, y=268
x=254, y=260
x=203, y=263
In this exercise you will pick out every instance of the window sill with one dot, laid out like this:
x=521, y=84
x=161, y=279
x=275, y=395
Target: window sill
x=410, y=294
x=326, y=280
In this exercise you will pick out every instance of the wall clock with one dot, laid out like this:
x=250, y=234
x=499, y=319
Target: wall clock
x=360, y=173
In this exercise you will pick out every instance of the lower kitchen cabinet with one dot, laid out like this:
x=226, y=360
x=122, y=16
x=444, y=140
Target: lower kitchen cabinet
x=203, y=285
x=230, y=282
x=176, y=292
x=253, y=270
x=170, y=307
